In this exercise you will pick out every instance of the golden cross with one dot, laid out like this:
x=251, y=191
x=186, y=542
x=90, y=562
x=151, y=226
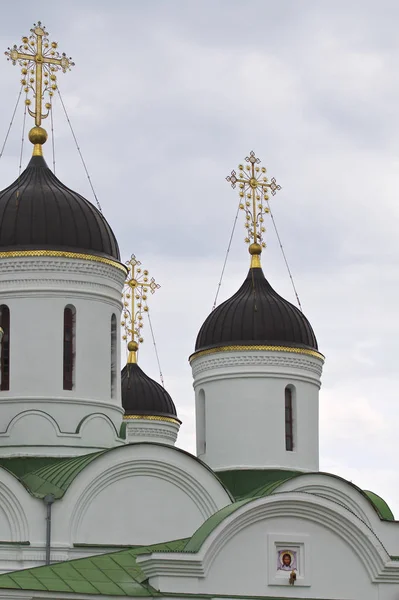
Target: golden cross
x=40, y=60
x=134, y=296
x=254, y=187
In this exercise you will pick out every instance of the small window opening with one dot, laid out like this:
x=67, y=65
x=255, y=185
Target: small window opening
x=113, y=355
x=201, y=423
x=69, y=347
x=289, y=424
x=5, y=348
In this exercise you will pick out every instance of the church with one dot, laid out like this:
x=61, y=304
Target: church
x=95, y=499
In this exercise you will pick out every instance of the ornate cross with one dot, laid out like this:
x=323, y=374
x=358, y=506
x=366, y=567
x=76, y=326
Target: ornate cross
x=254, y=187
x=137, y=286
x=40, y=60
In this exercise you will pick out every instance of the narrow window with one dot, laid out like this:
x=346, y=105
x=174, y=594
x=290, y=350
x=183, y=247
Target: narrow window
x=5, y=347
x=289, y=425
x=113, y=356
x=69, y=346
x=201, y=423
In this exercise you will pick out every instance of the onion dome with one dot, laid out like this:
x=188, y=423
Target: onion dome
x=38, y=212
x=256, y=315
x=142, y=396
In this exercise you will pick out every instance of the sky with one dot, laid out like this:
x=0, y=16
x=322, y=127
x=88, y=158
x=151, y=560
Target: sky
x=166, y=98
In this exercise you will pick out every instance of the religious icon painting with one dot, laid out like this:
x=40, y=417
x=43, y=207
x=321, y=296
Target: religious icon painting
x=287, y=559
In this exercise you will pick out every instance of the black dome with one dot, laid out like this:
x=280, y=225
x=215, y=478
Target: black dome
x=39, y=212
x=141, y=395
x=256, y=315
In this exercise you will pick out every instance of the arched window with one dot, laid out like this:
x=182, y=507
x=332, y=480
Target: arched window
x=289, y=419
x=113, y=356
x=5, y=347
x=69, y=347
x=201, y=423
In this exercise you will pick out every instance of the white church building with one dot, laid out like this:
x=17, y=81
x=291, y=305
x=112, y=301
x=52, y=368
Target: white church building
x=95, y=499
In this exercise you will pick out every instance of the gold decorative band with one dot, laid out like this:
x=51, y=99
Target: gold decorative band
x=152, y=418
x=251, y=348
x=62, y=254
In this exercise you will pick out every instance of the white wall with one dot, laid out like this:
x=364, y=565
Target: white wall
x=339, y=557
x=137, y=494
x=36, y=290
x=243, y=423
x=336, y=571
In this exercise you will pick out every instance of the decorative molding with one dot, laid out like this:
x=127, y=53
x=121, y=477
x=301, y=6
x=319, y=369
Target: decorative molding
x=54, y=288
x=151, y=432
x=58, y=401
x=302, y=363
x=14, y=557
x=67, y=439
x=62, y=254
x=163, y=470
x=333, y=494
x=145, y=427
x=329, y=515
x=14, y=512
x=151, y=418
x=256, y=348
x=16, y=266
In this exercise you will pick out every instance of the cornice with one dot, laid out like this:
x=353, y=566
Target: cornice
x=61, y=263
x=256, y=348
x=40, y=288
x=257, y=360
x=152, y=432
x=59, y=401
x=62, y=254
x=151, y=418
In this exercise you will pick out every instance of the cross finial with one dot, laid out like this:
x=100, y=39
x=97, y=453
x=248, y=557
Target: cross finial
x=137, y=286
x=254, y=187
x=40, y=60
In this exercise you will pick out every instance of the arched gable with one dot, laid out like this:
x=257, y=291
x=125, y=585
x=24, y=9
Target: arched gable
x=235, y=551
x=138, y=494
x=339, y=490
x=19, y=512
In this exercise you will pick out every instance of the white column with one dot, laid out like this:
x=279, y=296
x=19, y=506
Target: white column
x=240, y=403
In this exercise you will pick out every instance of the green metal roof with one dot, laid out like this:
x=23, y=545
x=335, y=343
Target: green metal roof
x=256, y=483
x=380, y=505
x=115, y=574
x=53, y=475
x=196, y=541
x=49, y=475
x=42, y=476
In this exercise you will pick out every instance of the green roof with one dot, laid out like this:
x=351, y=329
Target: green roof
x=47, y=475
x=245, y=484
x=53, y=475
x=254, y=483
x=196, y=541
x=380, y=505
x=115, y=574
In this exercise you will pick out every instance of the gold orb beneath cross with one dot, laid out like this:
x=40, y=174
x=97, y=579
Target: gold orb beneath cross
x=38, y=135
x=255, y=249
x=132, y=346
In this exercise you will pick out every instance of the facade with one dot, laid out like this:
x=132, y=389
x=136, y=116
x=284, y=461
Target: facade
x=95, y=499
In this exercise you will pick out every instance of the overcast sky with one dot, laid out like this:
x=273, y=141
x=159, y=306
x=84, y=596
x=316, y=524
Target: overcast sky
x=167, y=96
